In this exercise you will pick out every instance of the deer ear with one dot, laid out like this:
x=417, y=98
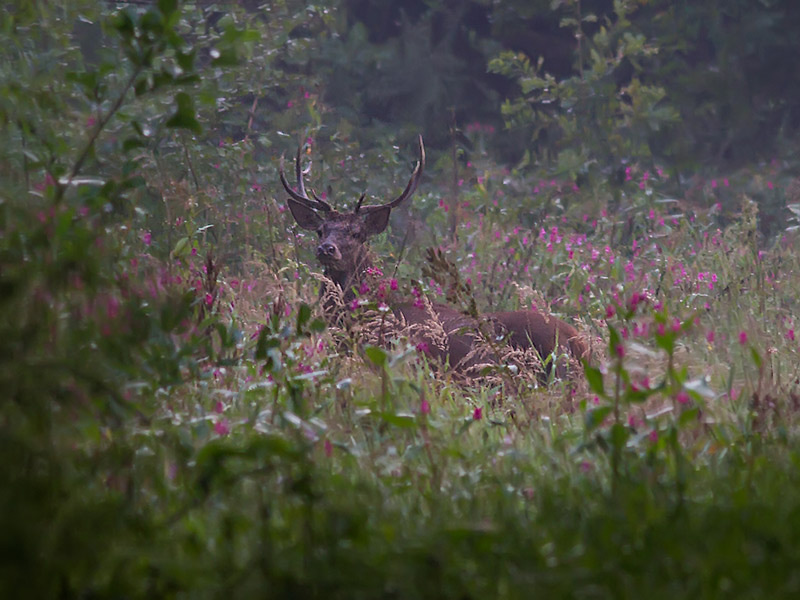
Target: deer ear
x=376, y=221
x=305, y=217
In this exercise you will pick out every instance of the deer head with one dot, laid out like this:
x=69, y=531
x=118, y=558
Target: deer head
x=343, y=235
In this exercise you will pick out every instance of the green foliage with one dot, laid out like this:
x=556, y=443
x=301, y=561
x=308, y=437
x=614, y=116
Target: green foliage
x=591, y=123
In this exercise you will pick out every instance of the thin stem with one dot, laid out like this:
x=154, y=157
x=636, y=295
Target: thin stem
x=96, y=133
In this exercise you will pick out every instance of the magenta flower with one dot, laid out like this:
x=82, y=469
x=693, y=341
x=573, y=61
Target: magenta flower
x=682, y=397
x=112, y=307
x=425, y=407
x=742, y=337
x=328, y=448
x=477, y=414
x=222, y=427
x=790, y=335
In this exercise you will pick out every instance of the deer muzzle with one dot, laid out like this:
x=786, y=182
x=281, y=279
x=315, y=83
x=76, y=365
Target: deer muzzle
x=327, y=252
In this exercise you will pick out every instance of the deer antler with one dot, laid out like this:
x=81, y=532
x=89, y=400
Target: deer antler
x=410, y=188
x=302, y=197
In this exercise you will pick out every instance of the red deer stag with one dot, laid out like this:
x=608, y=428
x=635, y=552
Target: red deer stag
x=343, y=253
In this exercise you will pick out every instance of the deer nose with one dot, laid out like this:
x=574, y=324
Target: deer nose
x=326, y=249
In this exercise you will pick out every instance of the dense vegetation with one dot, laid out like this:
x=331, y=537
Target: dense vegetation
x=179, y=421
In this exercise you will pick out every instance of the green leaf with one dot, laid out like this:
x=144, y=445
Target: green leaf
x=619, y=435
x=595, y=379
x=185, y=60
x=376, y=355
x=225, y=57
x=264, y=343
x=123, y=23
x=303, y=315
x=132, y=143
x=180, y=247
x=88, y=80
x=167, y=7
x=757, y=361
x=689, y=416
x=614, y=340
x=596, y=416
x=184, y=117
x=401, y=420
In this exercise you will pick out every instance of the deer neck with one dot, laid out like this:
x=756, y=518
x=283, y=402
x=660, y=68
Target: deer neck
x=348, y=279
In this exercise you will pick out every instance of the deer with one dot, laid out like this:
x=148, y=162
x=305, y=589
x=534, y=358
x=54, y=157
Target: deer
x=344, y=255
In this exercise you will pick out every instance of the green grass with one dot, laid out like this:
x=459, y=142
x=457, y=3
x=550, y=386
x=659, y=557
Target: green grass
x=276, y=463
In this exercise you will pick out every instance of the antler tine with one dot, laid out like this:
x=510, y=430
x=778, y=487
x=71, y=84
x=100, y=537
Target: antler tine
x=298, y=171
x=302, y=196
x=410, y=188
x=323, y=205
x=360, y=201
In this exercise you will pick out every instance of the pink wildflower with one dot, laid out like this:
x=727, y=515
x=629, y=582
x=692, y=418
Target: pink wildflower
x=222, y=427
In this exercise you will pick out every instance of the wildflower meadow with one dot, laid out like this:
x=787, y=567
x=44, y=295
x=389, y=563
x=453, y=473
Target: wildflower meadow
x=182, y=418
